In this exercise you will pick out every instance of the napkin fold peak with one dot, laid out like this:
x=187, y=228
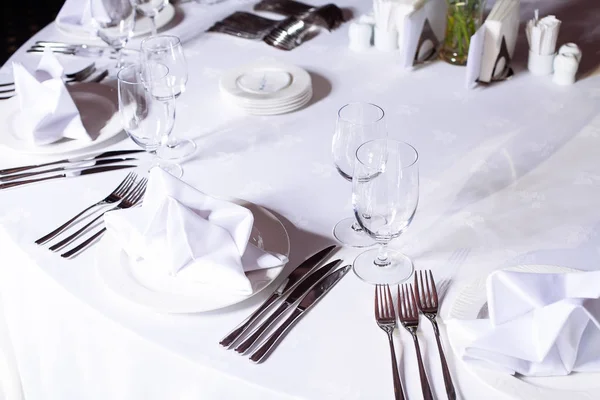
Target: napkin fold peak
x=47, y=111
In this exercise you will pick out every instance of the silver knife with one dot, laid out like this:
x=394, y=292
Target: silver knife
x=88, y=157
x=76, y=165
x=75, y=51
x=298, y=292
x=67, y=174
x=284, y=288
x=307, y=302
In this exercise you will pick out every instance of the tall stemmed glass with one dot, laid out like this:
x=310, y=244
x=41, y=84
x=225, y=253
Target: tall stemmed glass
x=150, y=9
x=113, y=21
x=356, y=124
x=167, y=50
x=385, y=194
x=147, y=108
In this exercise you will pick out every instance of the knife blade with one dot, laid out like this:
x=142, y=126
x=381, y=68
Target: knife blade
x=298, y=292
x=67, y=174
x=79, y=164
x=87, y=157
x=287, y=285
x=306, y=303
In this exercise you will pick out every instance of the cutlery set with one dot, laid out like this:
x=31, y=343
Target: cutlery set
x=297, y=294
x=302, y=22
x=67, y=168
x=129, y=193
x=422, y=299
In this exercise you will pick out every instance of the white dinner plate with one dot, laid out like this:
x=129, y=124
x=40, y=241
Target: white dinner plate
x=143, y=25
x=257, y=110
x=98, y=107
x=280, y=90
x=577, y=386
x=268, y=104
x=115, y=269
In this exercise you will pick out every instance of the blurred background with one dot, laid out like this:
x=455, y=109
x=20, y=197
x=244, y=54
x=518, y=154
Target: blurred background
x=20, y=19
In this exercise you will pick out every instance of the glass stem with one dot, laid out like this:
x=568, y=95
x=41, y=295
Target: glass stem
x=119, y=58
x=153, y=22
x=382, y=259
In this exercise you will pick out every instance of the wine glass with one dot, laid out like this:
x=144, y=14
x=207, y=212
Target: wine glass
x=113, y=21
x=356, y=124
x=147, y=108
x=167, y=50
x=385, y=193
x=150, y=9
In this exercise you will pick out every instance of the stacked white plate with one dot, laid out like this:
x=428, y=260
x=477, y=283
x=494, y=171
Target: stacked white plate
x=267, y=88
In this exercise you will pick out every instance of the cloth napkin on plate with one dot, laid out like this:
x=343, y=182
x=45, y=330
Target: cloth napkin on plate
x=539, y=325
x=47, y=111
x=76, y=14
x=181, y=231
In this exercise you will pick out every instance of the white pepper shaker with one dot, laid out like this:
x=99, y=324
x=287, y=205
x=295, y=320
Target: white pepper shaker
x=359, y=35
x=565, y=69
x=571, y=48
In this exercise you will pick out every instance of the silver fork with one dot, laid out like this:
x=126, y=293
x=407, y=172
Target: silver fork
x=116, y=195
x=427, y=300
x=385, y=315
x=409, y=316
x=287, y=34
x=130, y=200
x=70, y=78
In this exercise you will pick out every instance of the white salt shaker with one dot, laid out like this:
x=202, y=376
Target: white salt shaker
x=386, y=40
x=359, y=35
x=565, y=68
x=571, y=48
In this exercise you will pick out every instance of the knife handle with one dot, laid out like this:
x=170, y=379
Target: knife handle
x=267, y=346
x=9, y=185
x=237, y=332
x=246, y=344
x=26, y=174
x=7, y=171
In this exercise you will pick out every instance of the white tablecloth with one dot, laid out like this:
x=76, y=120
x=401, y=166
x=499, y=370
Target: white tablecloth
x=510, y=175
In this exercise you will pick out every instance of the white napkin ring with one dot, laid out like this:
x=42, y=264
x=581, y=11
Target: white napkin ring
x=359, y=35
x=539, y=64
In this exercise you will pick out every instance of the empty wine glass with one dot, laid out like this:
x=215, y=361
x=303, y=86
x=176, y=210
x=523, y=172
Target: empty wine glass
x=147, y=108
x=385, y=193
x=150, y=9
x=167, y=50
x=356, y=124
x=113, y=21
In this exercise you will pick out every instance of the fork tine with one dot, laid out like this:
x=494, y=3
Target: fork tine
x=415, y=312
x=389, y=302
x=422, y=291
x=401, y=300
x=433, y=291
x=419, y=295
x=377, y=301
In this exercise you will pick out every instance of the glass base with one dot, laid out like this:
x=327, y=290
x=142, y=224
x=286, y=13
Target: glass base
x=348, y=236
x=177, y=150
x=397, y=271
x=173, y=169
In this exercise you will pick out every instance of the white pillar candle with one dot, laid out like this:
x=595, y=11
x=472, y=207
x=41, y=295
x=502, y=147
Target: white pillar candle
x=359, y=35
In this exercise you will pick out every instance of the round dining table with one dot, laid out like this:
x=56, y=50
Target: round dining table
x=509, y=176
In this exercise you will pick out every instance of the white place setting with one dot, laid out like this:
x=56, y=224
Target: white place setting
x=277, y=200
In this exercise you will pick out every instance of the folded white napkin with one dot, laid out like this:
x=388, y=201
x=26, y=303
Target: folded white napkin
x=181, y=231
x=74, y=12
x=47, y=111
x=539, y=325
